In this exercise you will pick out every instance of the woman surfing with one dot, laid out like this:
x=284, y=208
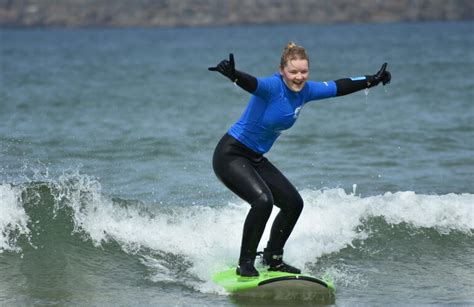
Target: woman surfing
x=239, y=160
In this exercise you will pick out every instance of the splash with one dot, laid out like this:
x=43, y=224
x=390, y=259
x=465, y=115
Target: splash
x=13, y=218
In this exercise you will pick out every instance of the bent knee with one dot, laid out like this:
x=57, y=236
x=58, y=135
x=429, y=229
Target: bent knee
x=294, y=205
x=263, y=203
x=298, y=204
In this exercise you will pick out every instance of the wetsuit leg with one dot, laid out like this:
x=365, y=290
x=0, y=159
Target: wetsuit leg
x=235, y=165
x=289, y=201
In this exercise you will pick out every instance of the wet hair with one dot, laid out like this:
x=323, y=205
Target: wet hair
x=292, y=52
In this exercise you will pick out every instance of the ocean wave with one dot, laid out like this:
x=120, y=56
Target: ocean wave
x=191, y=243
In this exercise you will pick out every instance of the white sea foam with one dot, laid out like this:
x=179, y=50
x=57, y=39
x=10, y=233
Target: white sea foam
x=13, y=219
x=331, y=218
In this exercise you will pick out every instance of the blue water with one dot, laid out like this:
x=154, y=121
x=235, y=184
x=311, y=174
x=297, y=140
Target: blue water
x=106, y=138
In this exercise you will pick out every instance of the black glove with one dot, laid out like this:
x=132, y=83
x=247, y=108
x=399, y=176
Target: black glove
x=227, y=68
x=382, y=75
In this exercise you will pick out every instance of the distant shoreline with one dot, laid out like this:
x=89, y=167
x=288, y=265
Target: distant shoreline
x=107, y=27
x=188, y=13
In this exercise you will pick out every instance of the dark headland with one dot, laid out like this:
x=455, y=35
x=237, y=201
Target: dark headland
x=153, y=13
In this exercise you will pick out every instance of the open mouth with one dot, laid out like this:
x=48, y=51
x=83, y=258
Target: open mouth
x=297, y=84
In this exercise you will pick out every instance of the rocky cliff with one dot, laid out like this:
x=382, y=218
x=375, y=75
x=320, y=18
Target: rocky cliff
x=73, y=13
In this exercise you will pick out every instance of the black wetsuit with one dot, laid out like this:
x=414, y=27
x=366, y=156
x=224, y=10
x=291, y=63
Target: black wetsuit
x=257, y=181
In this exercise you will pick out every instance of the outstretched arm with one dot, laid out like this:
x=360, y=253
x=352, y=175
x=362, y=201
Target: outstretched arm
x=350, y=85
x=244, y=80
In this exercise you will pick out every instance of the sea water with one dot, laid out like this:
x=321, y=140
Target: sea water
x=107, y=194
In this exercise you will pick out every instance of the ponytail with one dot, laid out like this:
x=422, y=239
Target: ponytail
x=291, y=52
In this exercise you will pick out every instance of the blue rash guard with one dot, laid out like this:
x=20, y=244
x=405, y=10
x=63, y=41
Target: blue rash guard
x=273, y=108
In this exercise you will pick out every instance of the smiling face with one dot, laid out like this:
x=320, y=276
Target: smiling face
x=295, y=74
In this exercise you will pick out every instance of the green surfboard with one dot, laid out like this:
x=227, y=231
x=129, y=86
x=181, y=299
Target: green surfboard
x=274, y=285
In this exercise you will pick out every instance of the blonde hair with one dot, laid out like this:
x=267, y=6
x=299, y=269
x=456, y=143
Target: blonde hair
x=291, y=52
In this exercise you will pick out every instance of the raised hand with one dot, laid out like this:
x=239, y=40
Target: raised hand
x=227, y=68
x=383, y=75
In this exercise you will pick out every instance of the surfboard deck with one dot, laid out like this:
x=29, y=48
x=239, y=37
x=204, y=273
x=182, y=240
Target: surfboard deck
x=273, y=284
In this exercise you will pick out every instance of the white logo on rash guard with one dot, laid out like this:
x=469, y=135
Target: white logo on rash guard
x=297, y=112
